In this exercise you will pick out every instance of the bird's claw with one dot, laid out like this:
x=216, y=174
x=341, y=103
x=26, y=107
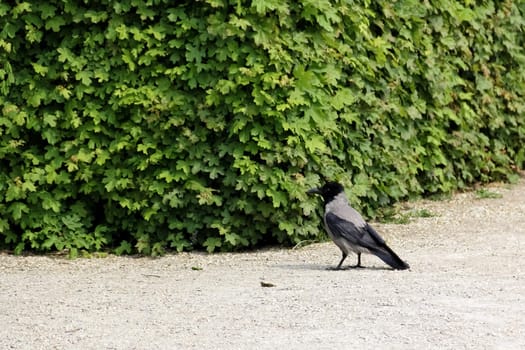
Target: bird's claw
x=331, y=268
x=357, y=267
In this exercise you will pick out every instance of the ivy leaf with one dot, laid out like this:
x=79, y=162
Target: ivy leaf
x=315, y=143
x=39, y=69
x=343, y=98
x=54, y=23
x=17, y=209
x=297, y=98
x=84, y=77
x=279, y=198
x=50, y=242
x=20, y=8
x=212, y=243
x=50, y=119
x=35, y=99
x=49, y=202
x=65, y=55
x=46, y=10
x=194, y=54
x=14, y=192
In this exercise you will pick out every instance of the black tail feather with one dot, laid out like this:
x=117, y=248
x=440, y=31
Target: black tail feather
x=389, y=257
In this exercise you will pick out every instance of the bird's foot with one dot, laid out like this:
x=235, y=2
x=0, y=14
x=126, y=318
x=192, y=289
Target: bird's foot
x=357, y=267
x=332, y=268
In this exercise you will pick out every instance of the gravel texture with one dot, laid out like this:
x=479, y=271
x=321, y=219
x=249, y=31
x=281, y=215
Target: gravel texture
x=465, y=290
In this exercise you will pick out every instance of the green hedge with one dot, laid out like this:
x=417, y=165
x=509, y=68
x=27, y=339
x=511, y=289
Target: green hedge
x=146, y=126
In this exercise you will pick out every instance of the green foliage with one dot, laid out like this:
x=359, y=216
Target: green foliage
x=483, y=193
x=147, y=126
x=423, y=213
x=398, y=215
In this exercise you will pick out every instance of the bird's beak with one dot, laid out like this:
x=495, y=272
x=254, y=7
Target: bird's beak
x=313, y=191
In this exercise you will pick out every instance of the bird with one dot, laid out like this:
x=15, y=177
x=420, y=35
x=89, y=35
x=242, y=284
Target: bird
x=349, y=231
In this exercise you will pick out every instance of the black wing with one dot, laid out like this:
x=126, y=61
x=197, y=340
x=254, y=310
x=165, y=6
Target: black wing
x=366, y=237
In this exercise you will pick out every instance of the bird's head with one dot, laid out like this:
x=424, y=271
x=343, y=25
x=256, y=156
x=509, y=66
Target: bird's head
x=328, y=191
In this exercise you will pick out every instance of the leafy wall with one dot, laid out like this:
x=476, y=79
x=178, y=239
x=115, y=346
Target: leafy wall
x=152, y=125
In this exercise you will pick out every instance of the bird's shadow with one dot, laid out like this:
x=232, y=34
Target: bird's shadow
x=319, y=267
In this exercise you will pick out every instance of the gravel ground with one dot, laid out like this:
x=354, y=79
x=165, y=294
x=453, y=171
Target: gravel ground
x=465, y=290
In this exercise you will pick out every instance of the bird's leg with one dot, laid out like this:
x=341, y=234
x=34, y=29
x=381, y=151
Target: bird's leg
x=359, y=261
x=340, y=262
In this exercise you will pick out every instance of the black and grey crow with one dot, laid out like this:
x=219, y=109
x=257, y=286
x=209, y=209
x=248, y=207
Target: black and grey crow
x=349, y=231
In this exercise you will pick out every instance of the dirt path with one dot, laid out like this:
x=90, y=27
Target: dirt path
x=466, y=289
